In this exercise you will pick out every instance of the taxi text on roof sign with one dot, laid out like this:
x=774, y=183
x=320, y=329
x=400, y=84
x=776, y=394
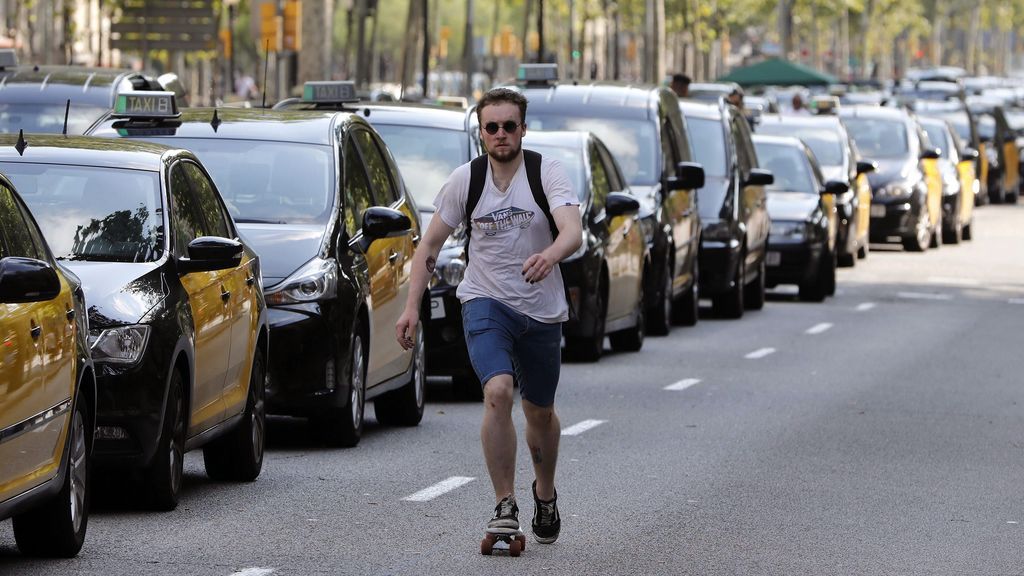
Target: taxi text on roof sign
x=537, y=73
x=330, y=92
x=146, y=105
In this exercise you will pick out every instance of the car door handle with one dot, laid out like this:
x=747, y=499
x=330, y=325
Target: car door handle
x=225, y=295
x=392, y=257
x=687, y=212
x=250, y=280
x=415, y=239
x=36, y=330
x=70, y=314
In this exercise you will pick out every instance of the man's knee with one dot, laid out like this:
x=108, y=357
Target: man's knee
x=538, y=415
x=498, y=391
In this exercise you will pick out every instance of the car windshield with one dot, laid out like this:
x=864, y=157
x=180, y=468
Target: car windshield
x=789, y=166
x=267, y=182
x=47, y=118
x=878, y=138
x=633, y=142
x=425, y=168
x=822, y=141
x=98, y=214
x=937, y=136
x=1016, y=120
x=986, y=127
x=708, y=140
x=571, y=159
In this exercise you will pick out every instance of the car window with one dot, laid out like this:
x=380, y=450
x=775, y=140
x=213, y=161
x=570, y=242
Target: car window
x=823, y=141
x=879, y=138
x=631, y=141
x=381, y=181
x=615, y=180
x=357, y=188
x=425, y=168
x=47, y=118
x=789, y=165
x=743, y=159
x=599, y=180
x=206, y=198
x=709, y=145
x=668, y=151
x=572, y=161
x=18, y=238
x=186, y=213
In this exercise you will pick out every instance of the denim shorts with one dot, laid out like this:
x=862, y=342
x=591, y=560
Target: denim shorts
x=501, y=340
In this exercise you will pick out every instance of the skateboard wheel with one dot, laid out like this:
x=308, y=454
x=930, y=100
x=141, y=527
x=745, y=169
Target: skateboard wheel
x=515, y=547
x=522, y=542
x=487, y=546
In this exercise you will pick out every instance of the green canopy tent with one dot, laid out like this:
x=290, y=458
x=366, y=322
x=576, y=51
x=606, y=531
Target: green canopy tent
x=776, y=71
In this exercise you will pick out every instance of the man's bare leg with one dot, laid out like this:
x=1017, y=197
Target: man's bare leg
x=543, y=431
x=498, y=435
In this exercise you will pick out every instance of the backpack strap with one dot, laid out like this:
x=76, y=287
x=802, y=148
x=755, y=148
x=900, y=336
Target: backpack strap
x=533, y=163
x=477, y=179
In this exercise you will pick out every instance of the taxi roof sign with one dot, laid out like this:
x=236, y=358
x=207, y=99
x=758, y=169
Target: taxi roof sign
x=537, y=73
x=330, y=92
x=8, y=58
x=146, y=105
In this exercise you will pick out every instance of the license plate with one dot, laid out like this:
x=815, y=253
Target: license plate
x=878, y=211
x=773, y=259
x=436, y=307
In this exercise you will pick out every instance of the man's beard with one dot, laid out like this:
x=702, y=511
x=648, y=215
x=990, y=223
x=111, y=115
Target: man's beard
x=508, y=155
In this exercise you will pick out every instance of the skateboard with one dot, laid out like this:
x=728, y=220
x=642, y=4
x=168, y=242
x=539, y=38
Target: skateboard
x=496, y=539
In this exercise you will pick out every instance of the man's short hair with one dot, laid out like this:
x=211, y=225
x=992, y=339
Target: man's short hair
x=500, y=95
x=681, y=79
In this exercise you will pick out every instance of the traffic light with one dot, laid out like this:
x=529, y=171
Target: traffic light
x=293, y=25
x=225, y=40
x=268, y=25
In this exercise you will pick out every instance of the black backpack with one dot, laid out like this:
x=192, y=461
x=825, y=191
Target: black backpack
x=477, y=179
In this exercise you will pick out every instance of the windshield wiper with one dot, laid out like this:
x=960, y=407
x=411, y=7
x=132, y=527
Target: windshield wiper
x=257, y=221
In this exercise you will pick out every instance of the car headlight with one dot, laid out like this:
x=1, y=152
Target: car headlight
x=792, y=231
x=895, y=191
x=453, y=271
x=120, y=345
x=315, y=280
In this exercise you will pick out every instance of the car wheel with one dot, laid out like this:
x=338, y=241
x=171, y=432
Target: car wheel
x=955, y=233
x=467, y=387
x=238, y=455
x=686, y=311
x=922, y=234
x=56, y=528
x=589, y=348
x=863, y=250
x=754, y=297
x=343, y=426
x=730, y=304
x=848, y=259
x=631, y=339
x=936, y=234
x=815, y=288
x=659, y=313
x=163, y=476
x=830, y=274
x=404, y=407
x=968, y=230
x=1011, y=197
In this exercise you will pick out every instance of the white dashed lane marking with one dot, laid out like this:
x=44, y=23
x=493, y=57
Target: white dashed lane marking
x=819, y=328
x=1016, y=300
x=954, y=281
x=580, y=428
x=760, y=353
x=865, y=306
x=924, y=296
x=254, y=572
x=682, y=384
x=442, y=487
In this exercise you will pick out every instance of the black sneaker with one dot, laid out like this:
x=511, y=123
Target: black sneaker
x=506, y=515
x=546, y=521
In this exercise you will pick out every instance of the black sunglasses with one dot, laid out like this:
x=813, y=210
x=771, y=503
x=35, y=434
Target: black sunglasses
x=508, y=126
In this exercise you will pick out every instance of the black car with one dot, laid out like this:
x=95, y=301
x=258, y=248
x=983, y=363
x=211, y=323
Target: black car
x=733, y=214
x=839, y=159
x=966, y=125
x=958, y=180
x=178, y=323
x=319, y=197
x=644, y=130
x=605, y=278
x=35, y=98
x=802, y=206
x=1003, y=177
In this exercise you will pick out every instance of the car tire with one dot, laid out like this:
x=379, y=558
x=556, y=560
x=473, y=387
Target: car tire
x=847, y=260
x=919, y=241
x=863, y=250
x=467, y=387
x=659, y=313
x=163, y=476
x=815, y=288
x=936, y=238
x=730, y=304
x=686, y=310
x=830, y=274
x=404, y=407
x=238, y=455
x=1011, y=197
x=631, y=339
x=968, y=232
x=56, y=528
x=955, y=233
x=754, y=297
x=589, y=348
x=343, y=426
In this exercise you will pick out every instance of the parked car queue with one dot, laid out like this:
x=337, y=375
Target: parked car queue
x=242, y=263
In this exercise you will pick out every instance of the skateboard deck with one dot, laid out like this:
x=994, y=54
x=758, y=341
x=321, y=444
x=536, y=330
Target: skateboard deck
x=498, y=539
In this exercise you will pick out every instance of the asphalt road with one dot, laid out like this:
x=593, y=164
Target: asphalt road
x=881, y=432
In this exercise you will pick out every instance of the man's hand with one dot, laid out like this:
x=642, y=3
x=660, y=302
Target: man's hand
x=537, y=267
x=405, y=330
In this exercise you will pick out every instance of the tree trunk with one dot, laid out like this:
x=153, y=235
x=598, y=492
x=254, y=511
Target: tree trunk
x=972, y=41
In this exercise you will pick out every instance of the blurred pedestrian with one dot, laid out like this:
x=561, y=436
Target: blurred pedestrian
x=798, y=106
x=736, y=97
x=680, y=85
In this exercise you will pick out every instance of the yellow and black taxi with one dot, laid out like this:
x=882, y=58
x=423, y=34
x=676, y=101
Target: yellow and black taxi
x=959, y=183
x=645, y=131
x=965, y=124
x=804, y=221
x=1001, y=149
x=318, y=196
x=38, y=98
x=47, y=390
x=906, y=187
x=178, y=324
x=605, y=278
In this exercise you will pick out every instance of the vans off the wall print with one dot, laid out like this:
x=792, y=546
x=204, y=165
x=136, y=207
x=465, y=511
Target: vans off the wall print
x=504, y=219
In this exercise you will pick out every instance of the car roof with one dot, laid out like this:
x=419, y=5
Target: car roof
x=406, y=114
x=84, y=151
x=556, y=138
x=61, y=83
x=305, y=127
x=793, y=120
x=879, y=112
x=700, y=109
x=932, y=121
x=778, y=140
x=614, y=100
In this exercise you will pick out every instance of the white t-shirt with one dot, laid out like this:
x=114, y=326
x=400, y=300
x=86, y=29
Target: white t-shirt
x=509, y=227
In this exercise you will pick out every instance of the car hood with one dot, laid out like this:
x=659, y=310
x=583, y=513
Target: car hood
x=892, y=170
x=282, y=247
x=118, y=293
x=834, y=172
x=792, y=205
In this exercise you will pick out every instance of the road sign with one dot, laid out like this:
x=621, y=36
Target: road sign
x=165, y=25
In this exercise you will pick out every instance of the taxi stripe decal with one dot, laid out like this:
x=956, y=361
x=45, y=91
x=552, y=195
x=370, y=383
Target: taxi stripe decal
x=12, y=432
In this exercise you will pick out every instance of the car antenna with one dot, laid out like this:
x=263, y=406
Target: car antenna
x=67, y=111
x=215, y=121
x=21, y=144
x=266, y=60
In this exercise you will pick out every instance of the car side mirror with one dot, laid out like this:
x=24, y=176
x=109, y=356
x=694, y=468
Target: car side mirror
x=380, y=222
x=984, y=139
x=618, y=204
x=836, y=187
x=208, y=253
x=969, y=153
x=27, y=280
x=689, y=176
x=866, y=167
x=760, y=177
x=931, y=154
